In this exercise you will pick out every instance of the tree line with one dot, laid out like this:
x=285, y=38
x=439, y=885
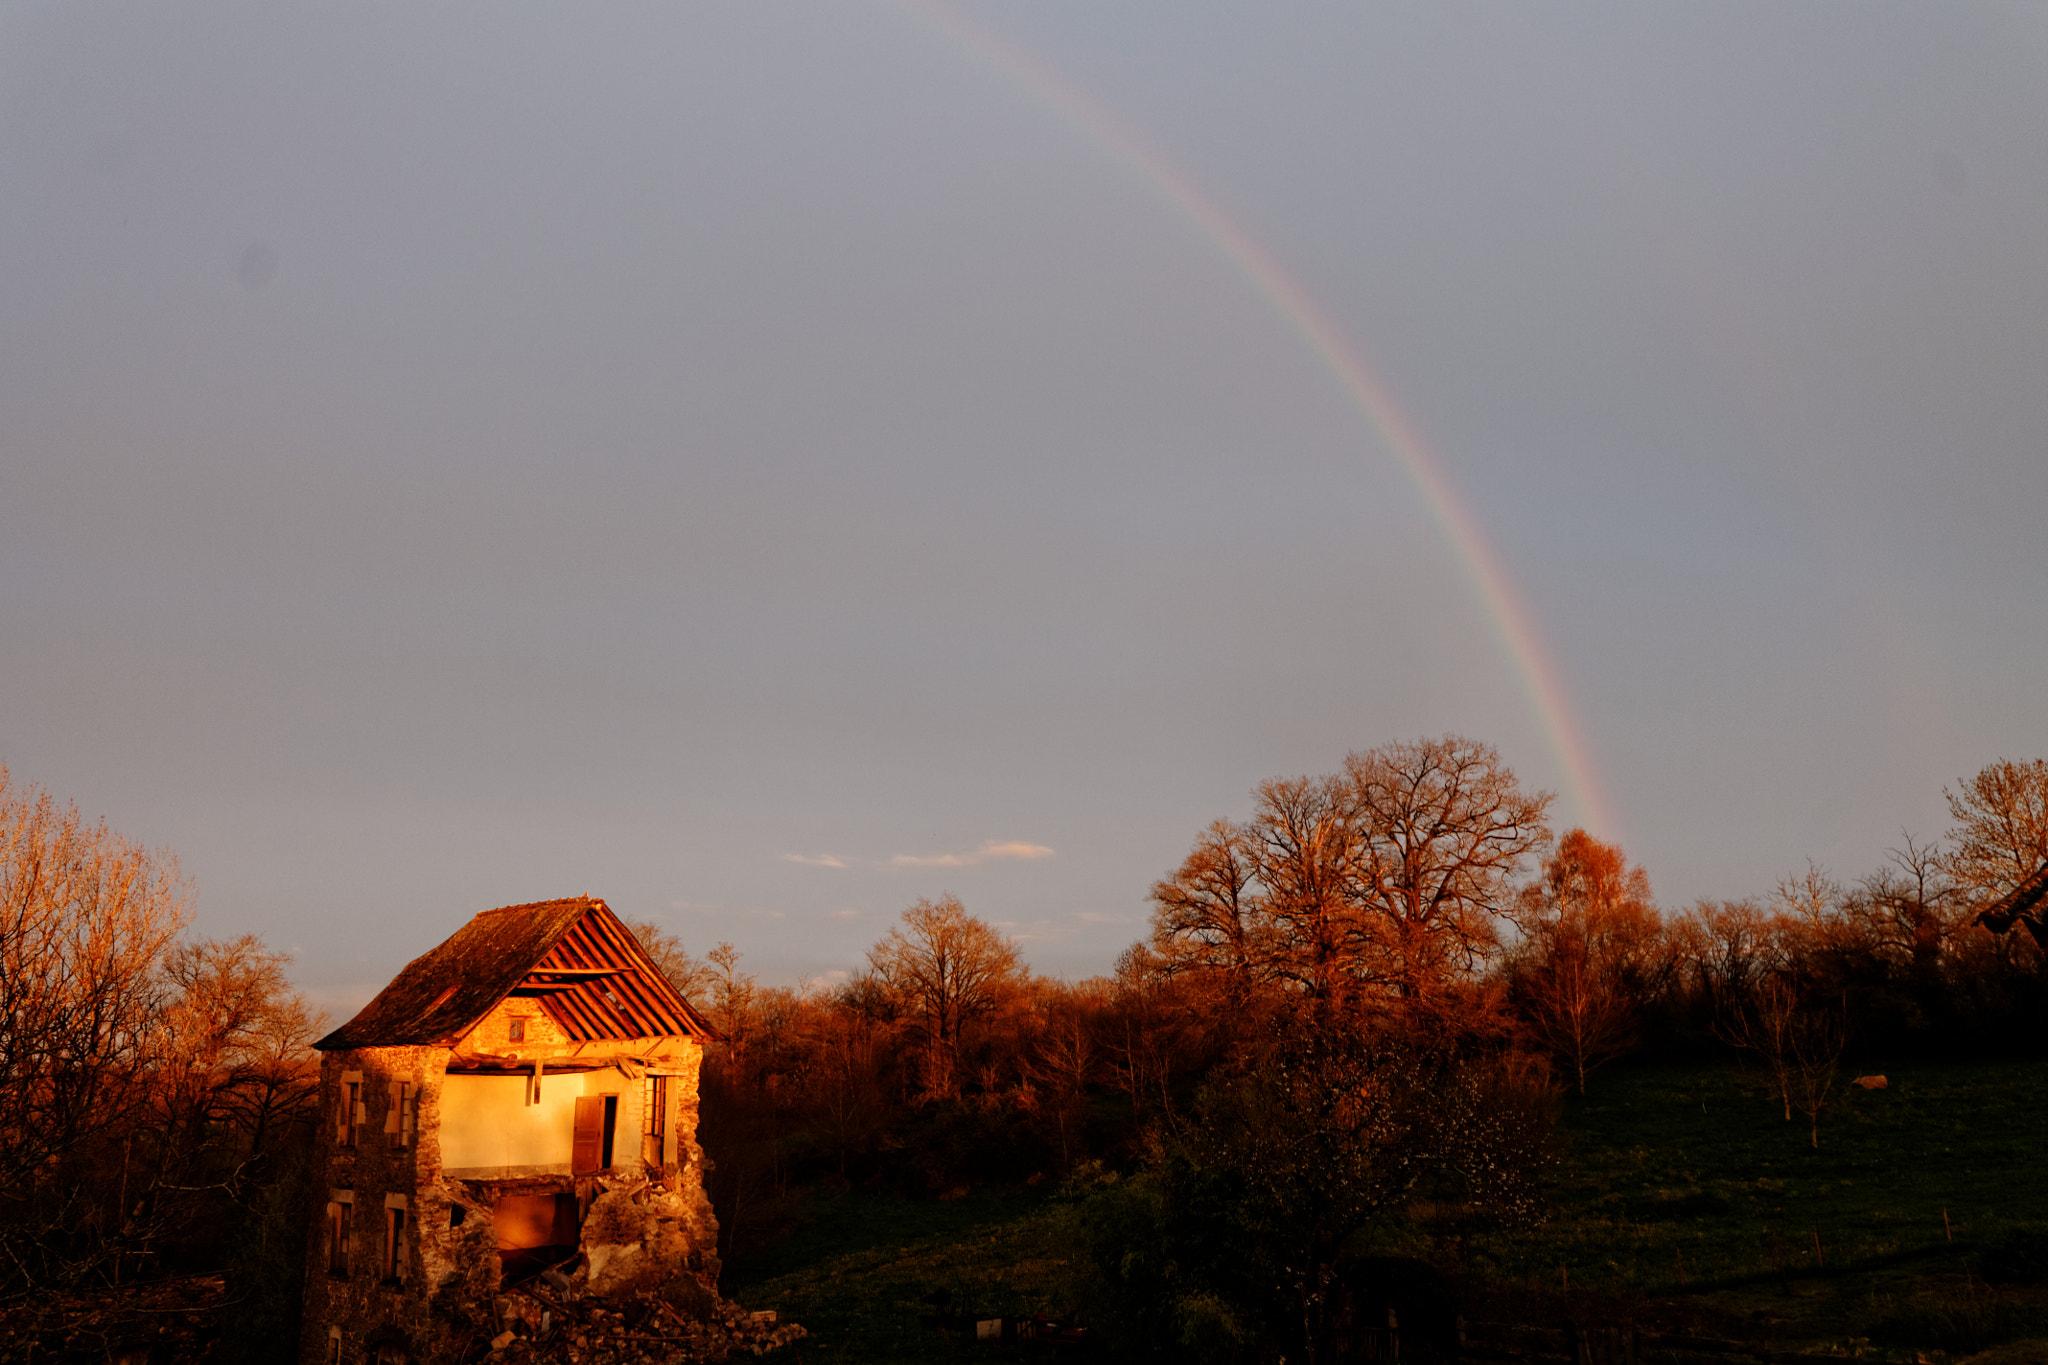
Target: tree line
x=1360, y=997
x=1414, y=901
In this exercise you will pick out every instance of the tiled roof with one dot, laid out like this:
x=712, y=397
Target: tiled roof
x=442, y=994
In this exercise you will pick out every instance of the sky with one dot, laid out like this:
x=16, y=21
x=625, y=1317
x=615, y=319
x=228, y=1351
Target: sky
x=766, y=464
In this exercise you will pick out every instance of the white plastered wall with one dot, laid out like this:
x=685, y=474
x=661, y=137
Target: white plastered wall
x=488, y=1126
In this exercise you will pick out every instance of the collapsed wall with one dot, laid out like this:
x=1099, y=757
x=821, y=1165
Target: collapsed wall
x=519, y=1101
x=408, y=1262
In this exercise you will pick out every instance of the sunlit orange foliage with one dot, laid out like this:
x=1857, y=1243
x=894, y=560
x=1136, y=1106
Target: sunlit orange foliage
x=1592, y=944
x=1380, y=889
x=949, y=968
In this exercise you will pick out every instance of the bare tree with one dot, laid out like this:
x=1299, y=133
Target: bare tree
x=1305, y=844
x=733, y=995
x=1443, y=827
x=86, y=918
x=1381, y=887
x=1908, y=910
x=1799, y=1039
x=1065, y=1059
x=1813, y=898
x=1209, y=916
x=949, y=968
x=1819, y=1036
x=1143, y=1031
x=239, y=1039
x=691, y=976
x=2000, y=836
x=1764, y=1024
x=1809, y=908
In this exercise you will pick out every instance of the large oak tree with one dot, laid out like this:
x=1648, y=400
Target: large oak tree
x=948, y=968
x=1382, y=884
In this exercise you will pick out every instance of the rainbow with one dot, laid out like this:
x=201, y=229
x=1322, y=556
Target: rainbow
x=1510, y=617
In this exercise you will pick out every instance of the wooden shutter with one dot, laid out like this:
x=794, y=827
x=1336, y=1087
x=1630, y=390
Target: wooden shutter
x=588, y=1153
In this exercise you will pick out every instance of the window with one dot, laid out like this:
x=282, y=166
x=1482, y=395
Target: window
x=399, y=1121
x=334, y=1346
x=352, y=1115
x=515, y=1030
x=340, y=1213
x=654, y=1121
x=394, y=1244
x=611, y=1126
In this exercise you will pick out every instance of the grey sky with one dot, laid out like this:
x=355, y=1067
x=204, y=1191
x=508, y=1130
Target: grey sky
x=460, y=454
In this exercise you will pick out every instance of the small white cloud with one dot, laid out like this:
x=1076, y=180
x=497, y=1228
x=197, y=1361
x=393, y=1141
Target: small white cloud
x=834, y=977
x=1014, y=850
x=989, y=849
x=842, y=916
x=813, y=859
x=929, y=860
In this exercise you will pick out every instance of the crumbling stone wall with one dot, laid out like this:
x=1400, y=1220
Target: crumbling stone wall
x=639, y=1235
x=686, y=1172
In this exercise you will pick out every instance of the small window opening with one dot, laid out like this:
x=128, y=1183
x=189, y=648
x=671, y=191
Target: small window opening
x=394, y=1244
x=516, y=1030
x=338, y=1220
x=408, y=1102
x=654, y=1121
x=456, y=1213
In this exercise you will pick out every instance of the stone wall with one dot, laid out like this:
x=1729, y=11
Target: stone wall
x=687, y=1167
x=445, y=1298
x=382, y=1169
x=493, y=1032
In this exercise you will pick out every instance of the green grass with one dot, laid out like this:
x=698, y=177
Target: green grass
x=855, y=1273
x=1662, y=1167
x=1696, y=1168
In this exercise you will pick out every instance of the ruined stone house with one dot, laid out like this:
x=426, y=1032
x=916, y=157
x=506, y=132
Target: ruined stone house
x=523, y=1093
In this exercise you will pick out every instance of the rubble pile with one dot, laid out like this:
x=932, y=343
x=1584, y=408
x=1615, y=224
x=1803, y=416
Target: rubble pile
x=167, y=1319
x=557, y=1319
x=642, y=1289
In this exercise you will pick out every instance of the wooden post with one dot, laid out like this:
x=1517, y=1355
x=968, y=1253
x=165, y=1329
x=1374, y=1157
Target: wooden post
x=1819, y=1259
x=1681, y=1264
x=1946, y=1229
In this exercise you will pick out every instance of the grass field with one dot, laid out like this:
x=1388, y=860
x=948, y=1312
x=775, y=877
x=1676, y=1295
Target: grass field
x=856, y=1273
x=1682, y=1198
x=1687, y=1186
